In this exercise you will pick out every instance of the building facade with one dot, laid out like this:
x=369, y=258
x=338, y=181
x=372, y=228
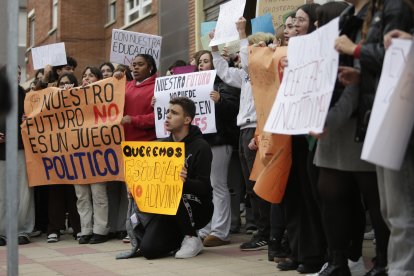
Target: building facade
x=86, y=27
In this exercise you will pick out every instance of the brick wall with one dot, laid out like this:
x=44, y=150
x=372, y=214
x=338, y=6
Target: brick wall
x=81, y=25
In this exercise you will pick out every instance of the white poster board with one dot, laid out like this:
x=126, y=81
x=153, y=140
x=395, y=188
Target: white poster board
x=126, y=45
x=392, y=116
x=303, y=99
x=52, y=54
x=226, y=30
x=196, y=86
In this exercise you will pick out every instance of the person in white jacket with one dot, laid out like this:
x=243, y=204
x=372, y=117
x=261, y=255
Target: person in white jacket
x=246, y=120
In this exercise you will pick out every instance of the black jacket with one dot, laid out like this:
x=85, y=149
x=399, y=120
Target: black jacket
x=198, y=159
x=392, y=14
x=226, y=110
x=20, y=112
x=351, y=26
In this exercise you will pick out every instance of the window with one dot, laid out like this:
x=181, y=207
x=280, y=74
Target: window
x=31, y=18
x=54, y=14
x=136, y=9
x=111, y=16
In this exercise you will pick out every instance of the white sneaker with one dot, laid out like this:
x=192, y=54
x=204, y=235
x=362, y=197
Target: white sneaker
x=52, y=238
x=357, y=268
x=190, y=247
x=369, y=235
x=325, y=265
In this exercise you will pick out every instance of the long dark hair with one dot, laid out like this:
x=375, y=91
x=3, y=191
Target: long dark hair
x=151, y=62
x=310, y=10
x=109, y=64
x=94, y=70
x=374, y=6
x=329, y=11
x=199, y=54
x=71, y=78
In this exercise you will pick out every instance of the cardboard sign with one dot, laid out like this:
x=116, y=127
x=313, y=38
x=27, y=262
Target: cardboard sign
x=226, y=30
x=277, y=8
x=207, y=27
x=52, y=54
x=126, y=45
x=392, y=117
x=263, y=24
x=273, y=159
x=304, y=96
x=74, y=136
x=196, y=86
x=152, y=173
x=275, y=152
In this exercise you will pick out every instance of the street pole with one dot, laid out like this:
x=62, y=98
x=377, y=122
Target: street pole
x=12, y=187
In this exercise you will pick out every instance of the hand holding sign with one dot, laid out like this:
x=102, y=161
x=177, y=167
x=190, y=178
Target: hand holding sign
x=183, y=174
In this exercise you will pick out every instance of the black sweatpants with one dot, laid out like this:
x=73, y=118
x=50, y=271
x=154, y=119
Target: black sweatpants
x=302, y=214
x=165, y=233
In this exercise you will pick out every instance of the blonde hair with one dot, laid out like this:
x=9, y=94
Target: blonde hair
x=260, y=36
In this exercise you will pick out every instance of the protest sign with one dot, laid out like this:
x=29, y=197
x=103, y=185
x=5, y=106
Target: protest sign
x=52, y=54
x=196, y=86
x=275, y=152
x=263, y=24
x=273, y=159
x=74, y=136
x=392, y=117
x=277, y=8
x=304, y=96
x=152, y=173
x=207, y=27
x=226, y=30
x=126, y=45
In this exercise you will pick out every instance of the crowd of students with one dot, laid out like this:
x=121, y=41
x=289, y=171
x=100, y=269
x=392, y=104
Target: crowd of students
x=318, y=227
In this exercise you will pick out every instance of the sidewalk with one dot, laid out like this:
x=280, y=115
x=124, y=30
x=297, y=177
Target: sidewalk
x=67, y=257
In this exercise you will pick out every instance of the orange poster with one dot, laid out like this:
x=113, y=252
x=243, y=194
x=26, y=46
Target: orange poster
x=273, y=159
x=74, y=136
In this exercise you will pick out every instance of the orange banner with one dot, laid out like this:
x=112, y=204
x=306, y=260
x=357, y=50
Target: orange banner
x=273, y=159
x=74, y=136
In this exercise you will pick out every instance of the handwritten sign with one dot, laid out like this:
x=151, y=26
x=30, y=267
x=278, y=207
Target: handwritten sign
x=263, y=24
x=53, y=54
x=196, y=86
x=303, y=99
x=152, y=173
x=392, y=118
x=226, y=30
x=126, y=45
x=74, y=136
x=277, y=8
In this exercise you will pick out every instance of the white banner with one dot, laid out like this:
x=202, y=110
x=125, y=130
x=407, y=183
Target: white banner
x=196, y=86
x=226, y=30
x=303, y=98
x=126, y=45
x=392, y=116
x=52, y=54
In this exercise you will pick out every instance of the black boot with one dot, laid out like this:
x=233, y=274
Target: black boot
x=275, y=251
x=338, y=266
x=380, y=266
